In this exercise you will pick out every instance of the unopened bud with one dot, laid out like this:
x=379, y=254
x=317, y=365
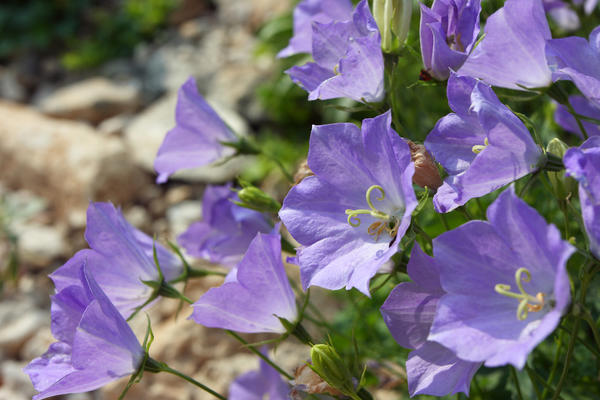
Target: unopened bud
x=302, y=172
x=426, y=172
x=308, y=381
x=393, y=19
x=255, y=199
x=561, y=185
x=327, y=363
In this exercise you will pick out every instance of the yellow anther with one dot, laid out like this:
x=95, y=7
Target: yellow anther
x=527, y=303
x=386, y=223
x=479, y=148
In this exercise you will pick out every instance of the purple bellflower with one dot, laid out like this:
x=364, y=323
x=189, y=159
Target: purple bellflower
x=448, y=31
x=120, y=258
x=562, y=14
x=348, y=60
x=506, y=284
x=578, y=60
x=259, y=295
x=482, y=145
x=226, y=229
x=95, y=345
x=255, y=385
x=408, y=312
x=197, y=137
x=582, y=106
x=583, y=164
x=350, y=216
x=511, y=54
x=309, y=11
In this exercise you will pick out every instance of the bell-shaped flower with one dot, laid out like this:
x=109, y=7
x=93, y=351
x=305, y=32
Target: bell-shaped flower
x=95, y=345
x=256, y=297
x=511, y=54
x=583, y=164
x=582, y=106
x=309, y=11
x=266, y=383
x=482, y=145
x=120, y=258
x=448, y=32
x=197, y=138
x=408, y=313
x=562, y=14
x=226, y=229
x=578, y=60
x=348, y=60
x=350, y=215
x=506, y=284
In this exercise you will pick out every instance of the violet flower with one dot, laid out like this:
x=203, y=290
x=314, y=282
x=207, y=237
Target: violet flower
x=197, y=137
x=511, y=54
x=573, y=58
x=309, y=11
x=226, y=229
x=121, y=257
x=584, y=107
x=256, y=298
x=562, y=14
x=350, y=216
x=448, y=32
x=482, y=145
x=408, y=312
x=255, y=385
x=348, y=60
x=583, y=164
x=95, y=345
x=506, y=284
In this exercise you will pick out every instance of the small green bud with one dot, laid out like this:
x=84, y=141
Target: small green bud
x=561, y=185
x=327, y=363
x=255, y=199
x=393, y=20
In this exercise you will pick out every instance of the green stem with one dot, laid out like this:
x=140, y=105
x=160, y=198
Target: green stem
x=577, y=119
x=444, y=221
x=191, y=380
x=554, y=363
x=513, y=373
x=547, y=386
x=531, y=378
x=582, y=342
x=466, y=213
x=421, y=232
x=258, y=353
x=590, y=320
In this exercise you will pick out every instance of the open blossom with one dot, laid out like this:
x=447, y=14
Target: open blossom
x=578, y=60
x=562, y=14
x=582, y=106
x=95, y=345
x=448, y=32
x=583, y=164
x=309, y=11
x=197, y=137
x=226, y=229
x=351, y=214
x=120, y=258
x=408, y=312
x=506, y=284
x=482, y=145
x=256, y=297
x=266, y=383
x=348, y=59
x=511, y=54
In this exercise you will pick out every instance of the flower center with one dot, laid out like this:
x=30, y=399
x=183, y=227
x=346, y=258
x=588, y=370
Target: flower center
x=527, y=302
x=478, y=148
x=387, y=223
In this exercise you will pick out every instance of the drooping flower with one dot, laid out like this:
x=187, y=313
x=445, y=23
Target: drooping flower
x=350, y=216
x=578, y=60
x=506, y=284
x=226, y=229
x=266, y=383
x=348, y=60
x=120, y=258
x=95, y=345
x=584, y=107
x=448, y=32
x=511, y=54
x=197, y=137
x=583, y=164
x=408, y=312
x=482, y=145
x=258, y=295
x=309, y=11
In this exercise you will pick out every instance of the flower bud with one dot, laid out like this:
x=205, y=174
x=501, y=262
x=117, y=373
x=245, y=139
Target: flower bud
x=393, y=19
x=561, y=185
x=255, y=199
x=426, y=172
x=327, y=363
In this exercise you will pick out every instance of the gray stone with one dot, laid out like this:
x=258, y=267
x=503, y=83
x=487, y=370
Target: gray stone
x=40, y=244
x=19, y=321
x=10, y=88
x=15, y=383
x=181, y=215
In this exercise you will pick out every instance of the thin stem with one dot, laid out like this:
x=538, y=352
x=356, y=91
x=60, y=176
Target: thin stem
x=285, y=172
x=258, y=353
x=554, y=363
x=466, y=213
x=535, y=388
x=444, y=221
x=547, y=386
x=591, y=348
x=421, y=232
x=527, y=185
x=577, y=119
x=513, y=373
x=193, y=382
x=590, y=320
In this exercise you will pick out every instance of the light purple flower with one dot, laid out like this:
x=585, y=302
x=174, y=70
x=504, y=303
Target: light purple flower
x=255, y=385
x=583, y=164
x=578, y=60
x=95, y=345
x=506, y=284
x=350, y=216
x=197, y=137
x=259, y=294
x=120, y=258
x=562, y=14
x=226, y=229
x=448, y=31
x=582, y=106
x=348, y=60
x=482, y=145
x=511, y=55
x=309, y=11
x=408, y=312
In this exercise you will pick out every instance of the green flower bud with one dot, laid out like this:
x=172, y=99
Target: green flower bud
x=561, y=185
x=327, y=363
x=393, y=19
x=255, y=199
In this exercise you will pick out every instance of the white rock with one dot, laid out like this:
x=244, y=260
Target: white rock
x=19, y=320
x=40, y=244
x=181, y=215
